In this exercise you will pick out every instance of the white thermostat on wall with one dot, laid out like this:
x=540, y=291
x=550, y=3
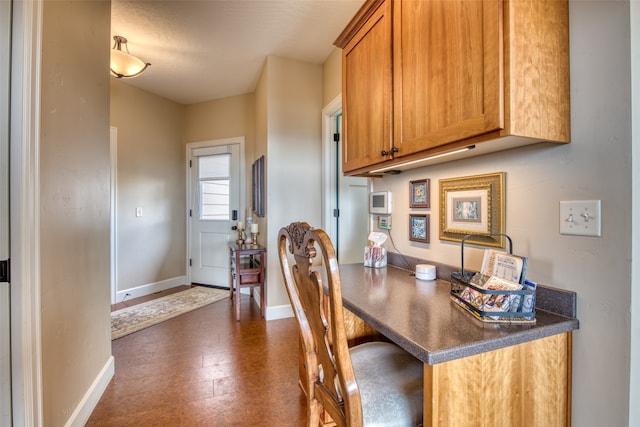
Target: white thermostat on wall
x=380, y=202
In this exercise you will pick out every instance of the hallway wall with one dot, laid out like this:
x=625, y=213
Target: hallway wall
x=150, y=176
x=74, y=200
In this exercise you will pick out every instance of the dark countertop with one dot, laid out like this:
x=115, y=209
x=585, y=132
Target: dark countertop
x=420, y=317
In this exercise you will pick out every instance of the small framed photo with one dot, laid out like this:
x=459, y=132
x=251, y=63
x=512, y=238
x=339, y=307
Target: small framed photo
x=419, y=194
x=419, y=228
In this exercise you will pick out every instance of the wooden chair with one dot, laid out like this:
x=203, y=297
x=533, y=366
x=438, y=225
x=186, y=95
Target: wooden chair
x=372, y=383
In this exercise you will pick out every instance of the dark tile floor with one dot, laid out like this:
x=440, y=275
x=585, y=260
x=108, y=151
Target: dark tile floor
x=205, y=369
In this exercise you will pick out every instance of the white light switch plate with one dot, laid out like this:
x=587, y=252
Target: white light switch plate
x=580, y=218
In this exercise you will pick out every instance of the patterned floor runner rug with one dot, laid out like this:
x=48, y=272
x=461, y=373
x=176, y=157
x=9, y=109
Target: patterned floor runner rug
x=131, y=319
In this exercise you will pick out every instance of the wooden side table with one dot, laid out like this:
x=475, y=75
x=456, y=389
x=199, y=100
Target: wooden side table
x=247, y=270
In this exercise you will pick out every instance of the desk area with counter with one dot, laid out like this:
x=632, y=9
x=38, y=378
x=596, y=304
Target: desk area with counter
x=475, y=373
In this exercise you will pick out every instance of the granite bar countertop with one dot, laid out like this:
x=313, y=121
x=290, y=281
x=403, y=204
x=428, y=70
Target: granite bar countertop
x=420, y=317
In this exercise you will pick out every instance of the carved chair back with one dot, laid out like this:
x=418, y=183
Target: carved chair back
x=315, y=293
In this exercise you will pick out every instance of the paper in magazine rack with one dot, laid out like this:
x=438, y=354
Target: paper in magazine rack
x=490, y=298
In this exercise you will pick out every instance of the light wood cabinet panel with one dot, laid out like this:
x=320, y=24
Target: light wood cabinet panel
x=367, y=92
x=447, y=72
x=537, y=95
x=490, y=73
x=524, y=385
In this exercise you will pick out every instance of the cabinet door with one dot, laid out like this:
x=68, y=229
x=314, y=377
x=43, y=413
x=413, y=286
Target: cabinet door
x=448, y=72
x=367, y=92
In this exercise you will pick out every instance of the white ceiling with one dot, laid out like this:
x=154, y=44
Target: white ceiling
x=209, y=49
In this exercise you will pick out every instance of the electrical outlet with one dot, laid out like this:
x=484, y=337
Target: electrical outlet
x=138, y=211
x=384, y=222
x=580, y=218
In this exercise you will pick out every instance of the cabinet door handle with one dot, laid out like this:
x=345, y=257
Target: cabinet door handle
x=394, y=150
x=384, y=153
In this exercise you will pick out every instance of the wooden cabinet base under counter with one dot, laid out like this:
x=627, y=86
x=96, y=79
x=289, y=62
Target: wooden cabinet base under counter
x=528, y=384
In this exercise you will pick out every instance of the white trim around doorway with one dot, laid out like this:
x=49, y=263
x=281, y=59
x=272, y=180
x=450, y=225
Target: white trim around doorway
x=243, y=179
x=328, y=113
x=25, y=213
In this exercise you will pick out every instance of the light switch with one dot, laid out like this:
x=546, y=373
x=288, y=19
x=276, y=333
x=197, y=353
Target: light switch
x=138, y=211
x=580, y=218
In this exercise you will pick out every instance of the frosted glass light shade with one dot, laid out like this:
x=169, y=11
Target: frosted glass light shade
x=123, y=64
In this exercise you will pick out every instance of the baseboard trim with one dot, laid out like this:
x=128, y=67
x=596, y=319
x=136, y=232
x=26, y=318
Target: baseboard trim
x=278, y=312
x=151, y=288
x=271, y=313
x=90, y=400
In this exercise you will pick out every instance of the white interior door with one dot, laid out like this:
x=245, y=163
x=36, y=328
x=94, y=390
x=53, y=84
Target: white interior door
x=5, y=326
x=214, y=188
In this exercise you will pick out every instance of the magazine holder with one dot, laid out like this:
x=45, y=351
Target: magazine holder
x=481, y=302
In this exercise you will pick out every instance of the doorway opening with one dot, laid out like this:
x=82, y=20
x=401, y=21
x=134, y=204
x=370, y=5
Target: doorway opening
x=215, y=198
x=345, y=214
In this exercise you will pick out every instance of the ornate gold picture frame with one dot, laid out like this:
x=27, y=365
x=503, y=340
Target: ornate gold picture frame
x=473, y=205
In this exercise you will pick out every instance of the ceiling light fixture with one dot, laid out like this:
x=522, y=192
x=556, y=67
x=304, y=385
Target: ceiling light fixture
x=124, y=64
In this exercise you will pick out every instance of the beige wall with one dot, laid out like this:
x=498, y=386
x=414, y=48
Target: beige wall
x=261, y=115
x=74, y=197
x=223, y=118
x=289, y=103
x=150, y=176
x=634, y=377
x=595, y=165
x=332, y=76
x=262, y=134
x=220, y=118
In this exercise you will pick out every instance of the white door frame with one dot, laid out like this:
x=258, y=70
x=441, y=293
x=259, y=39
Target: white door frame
x=212, y=143
x=5, y=287
x=328, y=189
x=24, y=147
x=328, y=146
x=113, y=160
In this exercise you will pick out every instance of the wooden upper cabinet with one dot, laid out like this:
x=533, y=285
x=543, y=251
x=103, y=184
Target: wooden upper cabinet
x=367, y=90
x=448, y=71
x=444, y=74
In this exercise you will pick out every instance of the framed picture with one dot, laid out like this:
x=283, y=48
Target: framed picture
x=257, y=177
x=473, y=205
x=419, y=228
x=419, y=194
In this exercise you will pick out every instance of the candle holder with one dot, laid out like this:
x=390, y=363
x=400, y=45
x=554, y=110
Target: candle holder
x=241, y=236
x=254, y=240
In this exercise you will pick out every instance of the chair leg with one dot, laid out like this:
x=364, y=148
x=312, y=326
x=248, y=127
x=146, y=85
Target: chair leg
x=314, y=414
x=326, y=420
x=237, y=303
